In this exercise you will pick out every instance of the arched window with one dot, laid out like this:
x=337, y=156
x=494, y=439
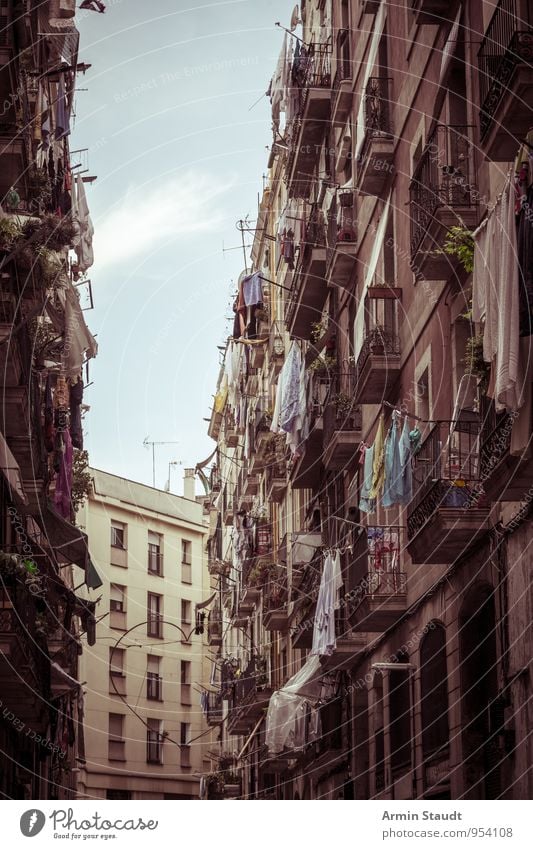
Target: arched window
x=434, y=691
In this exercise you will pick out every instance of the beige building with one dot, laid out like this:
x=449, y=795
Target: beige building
x=143, y=723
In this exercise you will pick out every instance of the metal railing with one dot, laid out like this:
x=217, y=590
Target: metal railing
x=446, y=470
x=214, y=625
x=444, y=177
x=340, y=410
x=507, y=42
x=344, y=64
x=378, y=341
x=378, y=121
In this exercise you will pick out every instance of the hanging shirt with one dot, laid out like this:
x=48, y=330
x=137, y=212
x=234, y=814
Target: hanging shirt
x=367, y=504
x=378, y=470
x=392, y=467
x=252, y=289
x=405, y=488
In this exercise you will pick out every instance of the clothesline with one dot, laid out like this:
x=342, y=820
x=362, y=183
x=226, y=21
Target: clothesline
x=408, y=414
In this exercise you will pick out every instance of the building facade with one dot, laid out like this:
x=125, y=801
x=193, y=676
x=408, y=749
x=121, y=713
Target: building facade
x=144, y=730
x=45, y=348
x=370, y=505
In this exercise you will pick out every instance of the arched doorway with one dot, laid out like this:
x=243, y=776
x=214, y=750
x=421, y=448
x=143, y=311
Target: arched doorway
x=479, y=688
x=434, y=712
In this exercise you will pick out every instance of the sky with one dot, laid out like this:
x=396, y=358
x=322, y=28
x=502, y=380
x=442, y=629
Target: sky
x=177, y=126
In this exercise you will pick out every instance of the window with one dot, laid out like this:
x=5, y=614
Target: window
x=118, y=534
x=118, y=598
x=116, y=743
x=118, y=555
x=155, y=615
x=155, y=556
x=117, y=679
x=117, y=606
x=185, y=743
x=186, y=561
x=118, y=795
x=185, y=612
x=154, y=742
x=186, y=552
x=154, y=682
x=185, y=679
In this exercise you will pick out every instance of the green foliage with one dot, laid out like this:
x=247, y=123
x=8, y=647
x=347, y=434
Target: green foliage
x=459, y=242
x=474, y=362
x=324, y=363
x=81, y=480
x=9, y=233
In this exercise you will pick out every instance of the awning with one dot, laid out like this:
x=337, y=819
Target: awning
x=11, y=471
x=68, y=542
x=287, y=706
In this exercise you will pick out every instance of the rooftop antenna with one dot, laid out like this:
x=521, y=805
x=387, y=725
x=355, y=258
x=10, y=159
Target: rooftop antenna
x=147, y=442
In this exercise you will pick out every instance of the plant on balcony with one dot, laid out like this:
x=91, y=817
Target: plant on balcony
x=459, y=242
x=261, y=671
x=318, y=328
x=259, y=573
x=39, y=189
x=81, y=480
x=474, y=362
x=9, y=232
x=323, y=364
x=343, y=404
x=50, y=232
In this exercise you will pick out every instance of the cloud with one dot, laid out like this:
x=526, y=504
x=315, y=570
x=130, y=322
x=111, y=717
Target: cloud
x=145, y=218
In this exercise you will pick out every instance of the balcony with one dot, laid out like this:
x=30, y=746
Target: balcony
x=349, y=645
x=503, y=477
x=378, y=366
x=442, y=195
x=506, y=80
x=250, y=697
x=430, y=11
x=275, y=615
x=214, y=709
x=444, y=519
x=306, y=467
x=228, y=507
x=342, y=241
x=342, y=81
x=309, y=290
x=276, y=349
x=382, y=600
x=312, y=73
x=214, y=628
x=248, y=487
x=275, y=479
x=375, y=162
x=231, y=434
x=342, y=423
x=305, y=598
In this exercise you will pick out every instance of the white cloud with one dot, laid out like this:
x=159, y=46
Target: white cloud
x=146, y=217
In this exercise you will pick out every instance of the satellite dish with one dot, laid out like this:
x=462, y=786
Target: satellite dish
x=295, y=18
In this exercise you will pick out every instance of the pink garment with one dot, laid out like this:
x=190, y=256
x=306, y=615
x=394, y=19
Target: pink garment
x=63, y=493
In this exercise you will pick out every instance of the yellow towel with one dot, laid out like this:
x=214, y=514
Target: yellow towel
x=378, y=469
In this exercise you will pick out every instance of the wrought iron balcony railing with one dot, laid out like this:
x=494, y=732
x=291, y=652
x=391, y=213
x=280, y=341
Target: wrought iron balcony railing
x=446, y=471
x=378, y=123
x=444, y=178
x=507, y=42
x=379, y=341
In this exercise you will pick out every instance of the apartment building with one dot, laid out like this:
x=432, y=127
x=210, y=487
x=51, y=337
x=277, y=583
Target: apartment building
x=370, y=506
x=45, y=350
x=144, y=730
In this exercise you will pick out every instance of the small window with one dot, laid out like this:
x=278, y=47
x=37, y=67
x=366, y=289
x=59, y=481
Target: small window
x=185, y=678
x=154, y=682
x=118, y=795
x=155, y=555
x=155, y=615
x=186, y=552
x=118, y=534
x=185, y=733
x=154, y=742
x=117, y=678
x=185, y=612
x=116, y=743
x=118, y=598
